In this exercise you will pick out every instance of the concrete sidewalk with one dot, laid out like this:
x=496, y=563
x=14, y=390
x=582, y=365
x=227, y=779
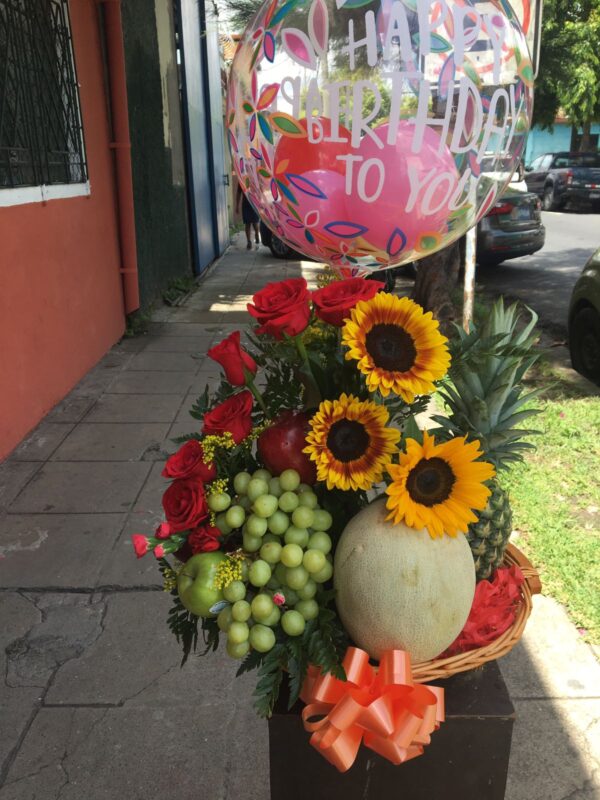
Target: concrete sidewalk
x=93, y=705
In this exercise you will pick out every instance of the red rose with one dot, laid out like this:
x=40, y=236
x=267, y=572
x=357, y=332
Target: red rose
x=282, y=307
x=334, y=302
x=233, y=359
x=204, y=539
x=233, y=416
x=185, y=504
x=188, y=462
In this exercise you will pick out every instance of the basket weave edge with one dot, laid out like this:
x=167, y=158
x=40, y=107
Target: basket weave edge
x=435, y=669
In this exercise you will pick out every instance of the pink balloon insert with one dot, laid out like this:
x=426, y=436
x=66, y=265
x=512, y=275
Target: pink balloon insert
x=426, y=212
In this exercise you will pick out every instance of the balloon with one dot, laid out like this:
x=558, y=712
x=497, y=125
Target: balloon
x=303, y=156
x=369, y=133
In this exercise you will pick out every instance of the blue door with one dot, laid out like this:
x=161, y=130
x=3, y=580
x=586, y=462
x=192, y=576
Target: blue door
x=216, y=91
x=203, y=131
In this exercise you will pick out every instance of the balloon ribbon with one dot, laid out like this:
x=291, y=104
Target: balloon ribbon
x=382, y=708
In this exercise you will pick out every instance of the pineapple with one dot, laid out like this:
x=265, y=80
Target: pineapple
x=485, y=400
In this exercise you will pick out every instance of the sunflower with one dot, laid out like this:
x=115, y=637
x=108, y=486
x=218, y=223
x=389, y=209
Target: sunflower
x=438, y=486
x=350, y=443
x=398, y=347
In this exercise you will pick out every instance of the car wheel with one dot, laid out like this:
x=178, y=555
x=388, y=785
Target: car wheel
x=489, y=261
x=386, y=277
x=584, y=343
x=279, y=248
x=549, y=201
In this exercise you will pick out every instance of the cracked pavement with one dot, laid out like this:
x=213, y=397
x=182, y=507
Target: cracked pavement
x=93, y=703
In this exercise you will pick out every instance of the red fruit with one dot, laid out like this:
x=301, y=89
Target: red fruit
x=280, y=446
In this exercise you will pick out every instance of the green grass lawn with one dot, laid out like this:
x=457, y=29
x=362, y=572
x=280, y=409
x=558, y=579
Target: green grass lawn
x=555, y=495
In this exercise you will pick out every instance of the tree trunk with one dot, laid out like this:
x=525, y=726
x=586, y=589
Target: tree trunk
x=437, y=276
x=585, y=143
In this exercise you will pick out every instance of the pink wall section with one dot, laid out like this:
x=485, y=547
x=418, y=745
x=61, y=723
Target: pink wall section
x=61, y=305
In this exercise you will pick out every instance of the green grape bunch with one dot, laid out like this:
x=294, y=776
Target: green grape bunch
x=288, y=558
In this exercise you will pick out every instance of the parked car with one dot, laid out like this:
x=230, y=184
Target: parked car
x=278, y=248
x=560, y=177
x=513, y=226
x=584, y=321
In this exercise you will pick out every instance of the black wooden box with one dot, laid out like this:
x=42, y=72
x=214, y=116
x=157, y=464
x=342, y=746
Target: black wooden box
x=466, y=760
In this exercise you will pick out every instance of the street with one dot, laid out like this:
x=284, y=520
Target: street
x=545, y=280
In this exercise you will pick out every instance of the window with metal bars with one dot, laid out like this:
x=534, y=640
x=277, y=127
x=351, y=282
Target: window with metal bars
x=41, y=137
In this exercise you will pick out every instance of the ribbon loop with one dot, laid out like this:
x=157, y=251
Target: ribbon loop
x=381, y=708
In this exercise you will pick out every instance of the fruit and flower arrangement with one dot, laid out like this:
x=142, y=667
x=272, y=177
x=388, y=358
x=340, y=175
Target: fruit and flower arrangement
x=314, y=529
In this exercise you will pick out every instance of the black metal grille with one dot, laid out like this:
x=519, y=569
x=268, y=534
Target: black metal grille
x=41, y=139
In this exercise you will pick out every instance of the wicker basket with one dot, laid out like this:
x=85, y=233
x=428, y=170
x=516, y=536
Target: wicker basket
x=445, y=667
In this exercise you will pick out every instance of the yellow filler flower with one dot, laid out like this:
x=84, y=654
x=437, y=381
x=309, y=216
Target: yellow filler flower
x=350, y=443
x=398, y=347
x=438, y=486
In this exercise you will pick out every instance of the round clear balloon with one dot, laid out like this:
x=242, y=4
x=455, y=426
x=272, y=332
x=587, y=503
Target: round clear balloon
x=368, y=134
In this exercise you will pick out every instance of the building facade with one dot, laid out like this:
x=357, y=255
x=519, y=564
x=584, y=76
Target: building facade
x=563, y=137
x=103, y=198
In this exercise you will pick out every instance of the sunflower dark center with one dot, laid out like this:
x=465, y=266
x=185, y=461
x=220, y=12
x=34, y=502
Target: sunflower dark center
x=430, y=482
x=347, y=440
x=391, y=347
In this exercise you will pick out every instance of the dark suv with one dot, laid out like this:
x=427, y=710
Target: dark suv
x=560, y=177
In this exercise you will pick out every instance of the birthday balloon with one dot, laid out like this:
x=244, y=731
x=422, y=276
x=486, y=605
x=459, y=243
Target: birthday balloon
x=369, y=133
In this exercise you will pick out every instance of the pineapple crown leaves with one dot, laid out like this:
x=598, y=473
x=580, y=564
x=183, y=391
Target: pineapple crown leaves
x=484, y=394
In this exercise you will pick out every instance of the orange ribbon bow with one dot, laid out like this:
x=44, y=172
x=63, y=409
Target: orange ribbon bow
x=382, y=708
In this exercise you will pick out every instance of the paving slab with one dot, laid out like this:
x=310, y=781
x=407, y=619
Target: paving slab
x=17, y=704
x=70, y=623
x=83, y=487
x=134, y=624
x=154, y=361
x=41, y=443
x=539, y=665
x=555, y=752
x=55, y=550
x=107, y=441
x=14, y=476
x=119, y=568
x=149, y=382
x=71, y=409
x=102, y=375
x=149, y=499
x=195, y=345
x=179, y=328
x=135, y=408
x=201, y=317
x=211, y=753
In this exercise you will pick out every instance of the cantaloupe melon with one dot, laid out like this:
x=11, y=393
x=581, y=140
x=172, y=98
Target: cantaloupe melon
x=399, y=588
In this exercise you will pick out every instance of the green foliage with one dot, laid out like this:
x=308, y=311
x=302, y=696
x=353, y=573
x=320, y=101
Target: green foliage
x=323, y=644
x=280, y=363
x=555, y=499
x=184, y=626
x=485, y=391
x=177, y=289
x=270, y=675
x=138, y=323
x=569, y=76
x=210, y=634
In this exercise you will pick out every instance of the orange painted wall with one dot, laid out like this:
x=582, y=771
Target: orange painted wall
x=61, y=305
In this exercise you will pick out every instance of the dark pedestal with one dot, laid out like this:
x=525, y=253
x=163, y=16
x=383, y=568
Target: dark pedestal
x=466, y=760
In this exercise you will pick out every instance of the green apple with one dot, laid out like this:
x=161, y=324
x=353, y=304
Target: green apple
x=195, y=583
